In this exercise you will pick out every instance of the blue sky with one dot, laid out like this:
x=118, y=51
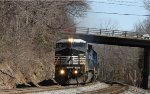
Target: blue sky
x=120, y=22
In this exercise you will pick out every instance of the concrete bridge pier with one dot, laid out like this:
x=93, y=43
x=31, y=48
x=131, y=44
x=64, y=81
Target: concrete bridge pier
x=146, y=71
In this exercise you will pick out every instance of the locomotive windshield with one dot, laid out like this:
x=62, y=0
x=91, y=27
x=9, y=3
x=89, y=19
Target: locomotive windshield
x=70, y=45
x=68, y=49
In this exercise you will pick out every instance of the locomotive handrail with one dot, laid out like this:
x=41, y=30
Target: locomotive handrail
x=56, y=61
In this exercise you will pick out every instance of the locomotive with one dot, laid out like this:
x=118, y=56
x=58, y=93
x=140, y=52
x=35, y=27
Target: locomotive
x=75, y=62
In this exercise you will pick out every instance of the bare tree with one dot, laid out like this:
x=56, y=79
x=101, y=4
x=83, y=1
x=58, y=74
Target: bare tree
x=119, y=63
x=29, y=30
x=143, y=27
x=108, y=24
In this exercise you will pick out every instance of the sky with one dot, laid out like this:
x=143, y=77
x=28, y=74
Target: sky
x=120, y=22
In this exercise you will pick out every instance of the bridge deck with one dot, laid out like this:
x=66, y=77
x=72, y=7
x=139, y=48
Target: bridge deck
x=113, y=40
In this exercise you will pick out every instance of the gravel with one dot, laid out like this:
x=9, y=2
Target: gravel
x=94, y=87
x=77, y=90
x=135, y=90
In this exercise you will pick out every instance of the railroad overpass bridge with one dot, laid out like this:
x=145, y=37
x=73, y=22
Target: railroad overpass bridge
x=120, y=40
x=123, y=42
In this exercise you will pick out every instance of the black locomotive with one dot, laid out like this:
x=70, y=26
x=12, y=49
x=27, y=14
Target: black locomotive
x=75, y=62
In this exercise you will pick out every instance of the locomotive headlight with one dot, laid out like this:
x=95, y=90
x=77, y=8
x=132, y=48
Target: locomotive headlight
x=70, y=40
x=75, y=71
x=62, y=71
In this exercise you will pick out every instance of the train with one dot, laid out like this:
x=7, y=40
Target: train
x=75, y=62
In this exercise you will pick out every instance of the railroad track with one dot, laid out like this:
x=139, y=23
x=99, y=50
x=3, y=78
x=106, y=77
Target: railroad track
x=111, y=89
x=36, y=89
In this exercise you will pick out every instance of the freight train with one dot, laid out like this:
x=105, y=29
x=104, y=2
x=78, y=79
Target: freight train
x=75, y=62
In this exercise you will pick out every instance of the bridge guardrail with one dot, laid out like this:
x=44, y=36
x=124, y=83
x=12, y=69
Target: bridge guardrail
x=107, y=32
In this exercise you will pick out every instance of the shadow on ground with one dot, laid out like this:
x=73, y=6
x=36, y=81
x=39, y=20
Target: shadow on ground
x=48, y=82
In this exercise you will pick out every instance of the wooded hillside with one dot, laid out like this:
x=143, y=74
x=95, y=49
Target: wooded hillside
x=28, y=33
